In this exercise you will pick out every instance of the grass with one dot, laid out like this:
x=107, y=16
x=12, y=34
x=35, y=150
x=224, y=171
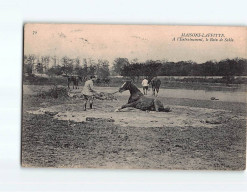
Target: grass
x=54, y=92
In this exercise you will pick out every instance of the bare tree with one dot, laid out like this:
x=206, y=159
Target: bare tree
x=45, y=60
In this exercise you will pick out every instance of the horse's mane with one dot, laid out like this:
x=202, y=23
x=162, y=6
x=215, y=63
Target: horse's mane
x=135, y=93
x=133, y=87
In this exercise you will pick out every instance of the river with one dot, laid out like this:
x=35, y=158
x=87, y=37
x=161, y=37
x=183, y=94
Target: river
x=226, y=96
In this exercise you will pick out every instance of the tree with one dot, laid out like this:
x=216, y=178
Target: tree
x=45, y=63
x=151, y=68
x=26, y=67
x=134, y=61
x=29, y=61
x=91, y=70
x=77, y=61
x=67, y=65
x=119, y=64
x=103, y=69
x=55, y=70
x=40, y=68
x=54, y=58
x=84, y=62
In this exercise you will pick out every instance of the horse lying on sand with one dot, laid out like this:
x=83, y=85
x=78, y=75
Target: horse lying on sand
x=139, y=101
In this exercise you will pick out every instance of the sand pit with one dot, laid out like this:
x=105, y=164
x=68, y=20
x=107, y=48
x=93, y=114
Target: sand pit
x=180, y=116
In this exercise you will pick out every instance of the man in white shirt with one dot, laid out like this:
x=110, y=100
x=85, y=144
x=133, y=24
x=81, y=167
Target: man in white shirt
x=145, y=86
x=89, y=92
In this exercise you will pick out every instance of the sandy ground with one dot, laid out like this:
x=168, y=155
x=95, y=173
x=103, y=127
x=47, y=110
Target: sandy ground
x=180, y=116
x=200, y=134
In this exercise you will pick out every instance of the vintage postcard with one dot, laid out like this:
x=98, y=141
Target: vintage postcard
x=134, y=97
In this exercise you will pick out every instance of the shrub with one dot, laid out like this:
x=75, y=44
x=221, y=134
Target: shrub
x=54, y=92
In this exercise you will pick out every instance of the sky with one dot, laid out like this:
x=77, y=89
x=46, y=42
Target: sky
x=144, y=42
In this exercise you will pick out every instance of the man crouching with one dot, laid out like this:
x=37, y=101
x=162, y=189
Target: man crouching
x=89, y=92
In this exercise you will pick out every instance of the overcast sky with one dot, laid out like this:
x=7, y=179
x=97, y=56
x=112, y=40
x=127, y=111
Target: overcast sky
x=131, y=41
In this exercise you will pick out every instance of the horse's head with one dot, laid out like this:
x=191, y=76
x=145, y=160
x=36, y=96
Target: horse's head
x=125, y=86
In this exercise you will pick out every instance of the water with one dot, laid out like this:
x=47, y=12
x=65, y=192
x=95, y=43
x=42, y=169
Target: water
x=226, y=96
x=236, y=95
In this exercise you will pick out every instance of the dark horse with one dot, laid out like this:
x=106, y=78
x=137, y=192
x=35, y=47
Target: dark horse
x=139, y=101
x=75, y=81
x=155, y=83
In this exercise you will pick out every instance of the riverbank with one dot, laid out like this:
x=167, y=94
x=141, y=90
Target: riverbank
x=168, y=83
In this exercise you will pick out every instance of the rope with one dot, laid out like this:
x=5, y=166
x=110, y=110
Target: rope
x=115, y=92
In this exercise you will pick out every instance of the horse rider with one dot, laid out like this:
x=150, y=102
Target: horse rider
x=145, y=86
x=89, y=92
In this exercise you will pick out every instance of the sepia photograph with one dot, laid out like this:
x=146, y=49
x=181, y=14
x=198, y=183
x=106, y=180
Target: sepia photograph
x=134, y=96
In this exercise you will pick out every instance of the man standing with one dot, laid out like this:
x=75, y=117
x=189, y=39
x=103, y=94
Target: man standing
x=89, y=92
x=145, y=86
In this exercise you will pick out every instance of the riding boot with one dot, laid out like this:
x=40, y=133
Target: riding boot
x=91, y=105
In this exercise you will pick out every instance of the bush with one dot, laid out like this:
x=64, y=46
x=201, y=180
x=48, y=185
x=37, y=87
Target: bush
x=104, y=81
x=54, y=92
x=38, y=80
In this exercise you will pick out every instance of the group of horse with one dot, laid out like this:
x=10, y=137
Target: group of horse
x=137, y=98
x=74, y=79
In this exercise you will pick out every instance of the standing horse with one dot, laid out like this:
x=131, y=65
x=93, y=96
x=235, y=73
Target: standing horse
x=155, y=83
x=75, y=80
x=139, y=101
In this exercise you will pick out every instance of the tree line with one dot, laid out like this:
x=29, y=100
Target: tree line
x=150, y=68
x=54, y=66
x=122, y=66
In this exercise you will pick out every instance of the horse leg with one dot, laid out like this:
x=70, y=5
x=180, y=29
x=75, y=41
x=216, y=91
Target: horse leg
x=85, y=105
x=68, y=83
x=145, y=91
x=157, y=91
x=133, y=104
x=91, y=102
x=77, y=84
x=153, y=89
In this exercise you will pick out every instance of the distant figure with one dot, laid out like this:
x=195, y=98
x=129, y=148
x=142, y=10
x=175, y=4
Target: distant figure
x=145, y=86
x=88, y=92
x=75, y=80
x=155, y=83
